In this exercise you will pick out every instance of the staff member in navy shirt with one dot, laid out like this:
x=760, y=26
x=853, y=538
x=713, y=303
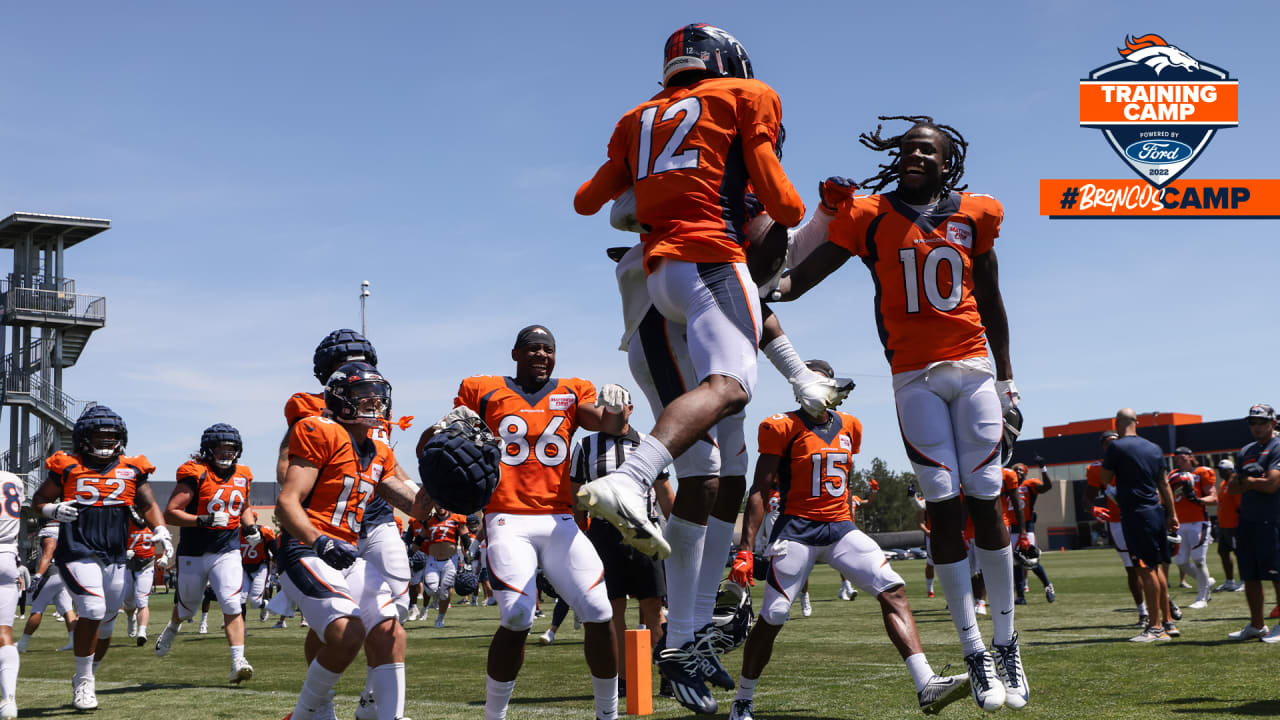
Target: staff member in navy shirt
x=1256, y=480
x=1147, y=518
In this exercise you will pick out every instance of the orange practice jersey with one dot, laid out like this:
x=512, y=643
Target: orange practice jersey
x=923, y=265
x=140, y=541
x=1203, y=480
x=854, y=502
x=535, y=430
x=336, y=504
x=773, y=503
x=116, y=484
x=1093, y=476
x=446, y=530
x=214, y=493
x=684, y=152
x=256, y=554
x=1012, y=515
x=1228, y=507
x=301, y=405
x=813, y=475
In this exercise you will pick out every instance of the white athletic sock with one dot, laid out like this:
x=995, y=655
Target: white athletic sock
x=8, y=672
x=142, y=630
x=646, y=462
x=388, y=690
x=958, y=589
x=84, y=667
x=25, y=638
x=315, y=690
x=997, y=571
x=928, y=584
x=687, y=540
x=606, y=693
x=746, y=688
x=497, y=695
x=920, y=671
x=237, y=652
x=711, y=569
x=1142, y=608
x=204, y=618
x=368, y=681
x=1202, y=580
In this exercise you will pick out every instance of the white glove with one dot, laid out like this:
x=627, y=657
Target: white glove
x=253, y=537
x=163, y=542
x=622, y=215
x=220, y=519
x=1008, y=393
x=128, y=554
x=816, y=393
x=463, y=413
x=613, y=398
x=1110, y=491
x=62, y=512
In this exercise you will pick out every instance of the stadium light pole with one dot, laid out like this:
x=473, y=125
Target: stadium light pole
x=364, y=293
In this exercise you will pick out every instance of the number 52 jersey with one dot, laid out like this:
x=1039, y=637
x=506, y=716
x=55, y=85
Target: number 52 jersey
x=103, y=496
x=535, y=429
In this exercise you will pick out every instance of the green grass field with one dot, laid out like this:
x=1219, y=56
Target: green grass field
x=836, y=664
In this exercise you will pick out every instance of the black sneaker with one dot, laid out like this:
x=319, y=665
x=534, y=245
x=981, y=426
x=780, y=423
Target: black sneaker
x=683, y=667
x=1174, y=611
x=708, y=642
x=1144, y=620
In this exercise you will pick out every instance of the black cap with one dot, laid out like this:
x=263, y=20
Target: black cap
x=1108, y=435
x=1262, y=410
x=1182, y=450
x=822, y=367
x=535, y=335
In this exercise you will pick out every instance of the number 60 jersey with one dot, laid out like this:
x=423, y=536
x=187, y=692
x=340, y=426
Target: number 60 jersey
x=103, y=496
x=923, y=268
x=535, y=429
x=212, y=492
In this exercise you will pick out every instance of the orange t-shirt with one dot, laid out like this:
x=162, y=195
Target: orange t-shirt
x=536, y=429
x=1228, y=507
x=1093, y=476
x=346, y=481
x=447, y=530
x=1012, y=515
x=813, y=475
x=683, y=150
x=923, y=267
x=1202, y=480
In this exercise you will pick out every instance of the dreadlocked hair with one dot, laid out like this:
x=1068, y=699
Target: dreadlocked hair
x=956, y=149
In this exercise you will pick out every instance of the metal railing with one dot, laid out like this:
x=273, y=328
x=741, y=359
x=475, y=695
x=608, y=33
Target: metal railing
x=53, y=302
x=37, y=282
x=58, y=405
x=13, y=361
x=36, y=452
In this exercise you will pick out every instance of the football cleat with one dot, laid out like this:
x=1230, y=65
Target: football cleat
x=83, y=696
x=941, y=691
x=1248, y=632
x=241, y=670
x=988, y=690
x=846, y=590
x=1184, y=584
x=980, y=607
x=1020, y=600
x=281, y=624
x=413, y=612
x=1009, y=667
x=368, y=707
x=1273, y=636
x=133, y=626
x=1175, y=612
x=683, y=667
x=1049, y=594
x=616, y=498
x=1198, y=605
x=547, y=637
x=164, y=642
x=204, y=627
x=439, y=621
x=141, y=637
x=1226, y=586
x=741, y=710
x=708, y=641
x=806, y=607
x=8, y=710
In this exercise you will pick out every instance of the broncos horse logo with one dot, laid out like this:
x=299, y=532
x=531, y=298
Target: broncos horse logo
x=1154, y=52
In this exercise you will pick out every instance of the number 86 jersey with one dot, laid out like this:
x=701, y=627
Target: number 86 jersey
x=535, y=429
x=923, y=269
x=103, y=496
x=816, y=460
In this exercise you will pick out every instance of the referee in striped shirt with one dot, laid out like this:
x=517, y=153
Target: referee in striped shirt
x=627, y=571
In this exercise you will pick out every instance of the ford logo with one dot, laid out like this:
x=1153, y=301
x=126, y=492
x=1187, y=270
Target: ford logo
x=1158, y=152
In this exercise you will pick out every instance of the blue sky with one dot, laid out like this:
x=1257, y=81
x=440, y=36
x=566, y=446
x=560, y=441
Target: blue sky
x=259, y=160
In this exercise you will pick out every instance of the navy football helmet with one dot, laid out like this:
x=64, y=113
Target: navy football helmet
x=338, y=347
x=100, y=433
x=705, y=47
x=220, y=434
x=466, y=583
x=732, y=615
x=1027, y=557
x=1012, y=429
x=460, y=466
x=357, y=394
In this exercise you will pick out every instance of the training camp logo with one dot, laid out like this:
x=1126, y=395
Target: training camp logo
x=1158, y=107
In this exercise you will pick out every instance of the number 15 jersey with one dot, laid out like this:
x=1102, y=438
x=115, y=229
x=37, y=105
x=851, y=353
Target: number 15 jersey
x=923, y=270
x=535, y=429
x=813, y=475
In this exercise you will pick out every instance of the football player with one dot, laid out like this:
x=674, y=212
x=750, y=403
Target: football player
x=529, y=518
x=255, y=559
x=141, y=563
x=210, y=502
x=930, y=250
x=47, y=589
x=1194, y=488
x=380, y=543
x=1110, y=514
x=444, y=532
x=90, y=492
x=12, y=491
x=1029, y=489
x=689, y=152
x=335, y=465
x=809, y=459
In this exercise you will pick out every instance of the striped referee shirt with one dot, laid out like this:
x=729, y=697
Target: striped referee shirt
x=599, y=454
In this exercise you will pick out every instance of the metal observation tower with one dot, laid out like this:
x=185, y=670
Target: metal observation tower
x=47, y=324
